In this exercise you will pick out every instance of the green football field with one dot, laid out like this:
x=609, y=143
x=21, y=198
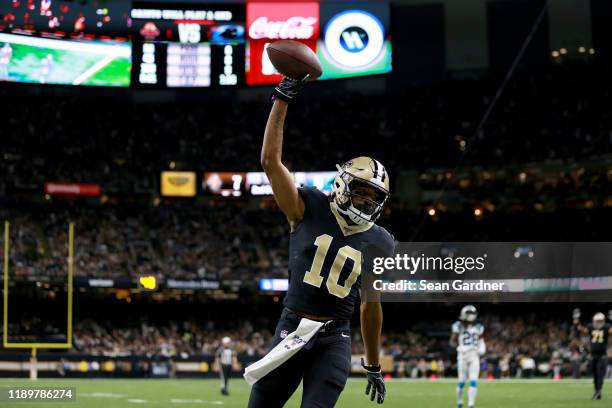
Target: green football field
x=429, y=394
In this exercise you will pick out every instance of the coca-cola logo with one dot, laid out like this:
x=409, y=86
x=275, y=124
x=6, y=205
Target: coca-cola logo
x=294, y=28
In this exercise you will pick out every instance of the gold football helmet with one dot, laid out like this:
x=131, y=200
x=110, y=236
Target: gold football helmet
x=361, y=189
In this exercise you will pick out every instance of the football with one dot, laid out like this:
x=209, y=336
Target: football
x=294, y=59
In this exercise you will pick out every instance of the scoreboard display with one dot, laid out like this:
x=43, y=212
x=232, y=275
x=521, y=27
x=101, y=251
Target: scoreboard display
x=193, y=45
x=164, y=44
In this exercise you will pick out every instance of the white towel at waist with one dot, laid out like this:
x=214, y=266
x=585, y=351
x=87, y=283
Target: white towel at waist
x=283, y=350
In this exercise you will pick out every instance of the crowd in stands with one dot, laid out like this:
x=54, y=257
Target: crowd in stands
x=172, y=242
x=224, y=242
x=543, y=152
x=516, y=346
x=546, y=188
x=174, y=340
x=122, y=145
x=513, y=344
x=423, y=350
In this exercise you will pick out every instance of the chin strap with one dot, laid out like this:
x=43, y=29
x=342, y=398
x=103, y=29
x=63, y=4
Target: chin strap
x=346, y=214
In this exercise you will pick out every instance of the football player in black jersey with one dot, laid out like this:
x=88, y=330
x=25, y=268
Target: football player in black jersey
x=598, y=332
x=331, y=239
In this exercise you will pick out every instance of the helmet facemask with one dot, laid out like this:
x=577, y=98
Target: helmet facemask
x=469, y=314
x=360, y=200
x=470, y=317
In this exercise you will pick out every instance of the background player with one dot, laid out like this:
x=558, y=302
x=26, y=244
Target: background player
x=46, y=66
x=599, y=333
x=331, y=237
x=6, y=53
x=225, y=356
x=467, y=337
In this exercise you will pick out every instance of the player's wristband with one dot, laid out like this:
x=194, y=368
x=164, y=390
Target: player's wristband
x=370, y=368
x=277, y=94
x=288, y=88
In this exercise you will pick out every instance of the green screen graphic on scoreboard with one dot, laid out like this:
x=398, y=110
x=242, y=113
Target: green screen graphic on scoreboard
x=70, y=62
x=381, y=64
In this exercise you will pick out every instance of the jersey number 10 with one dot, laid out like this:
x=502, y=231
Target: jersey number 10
x=313, y=276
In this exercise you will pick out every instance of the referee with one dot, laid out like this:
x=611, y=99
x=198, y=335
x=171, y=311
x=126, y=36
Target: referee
x=225, y=358
x=598, y=332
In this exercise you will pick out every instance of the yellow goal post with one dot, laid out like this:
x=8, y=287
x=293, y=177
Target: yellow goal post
x=34, y=346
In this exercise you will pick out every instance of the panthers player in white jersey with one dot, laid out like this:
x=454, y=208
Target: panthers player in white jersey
x=467, y=337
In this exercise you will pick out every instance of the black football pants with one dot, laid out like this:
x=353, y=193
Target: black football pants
x=224, y=372
x=599, y=365
x=323, y=365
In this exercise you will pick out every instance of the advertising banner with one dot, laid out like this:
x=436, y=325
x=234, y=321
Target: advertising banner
x=259, y=185
x=355, y=40
x=224, y=183
x=178, y=184
x=274, y=284
x=73, y=189
x=271, y=21
x=192, y=284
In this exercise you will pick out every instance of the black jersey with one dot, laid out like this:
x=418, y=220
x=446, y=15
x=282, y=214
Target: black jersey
x=599, y=339
x=325, y=259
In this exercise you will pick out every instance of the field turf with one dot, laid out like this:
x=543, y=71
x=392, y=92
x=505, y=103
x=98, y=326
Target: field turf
x=103, y=393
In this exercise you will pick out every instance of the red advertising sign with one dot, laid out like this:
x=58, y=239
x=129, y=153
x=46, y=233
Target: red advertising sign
x=73, y=189
x=271, y=21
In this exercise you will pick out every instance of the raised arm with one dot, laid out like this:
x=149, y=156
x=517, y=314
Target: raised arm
x=283, y=187
x=285, y=192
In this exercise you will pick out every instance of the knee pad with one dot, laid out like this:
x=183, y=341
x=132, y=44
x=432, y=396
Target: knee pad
x=473, y=383
x=460, y=385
